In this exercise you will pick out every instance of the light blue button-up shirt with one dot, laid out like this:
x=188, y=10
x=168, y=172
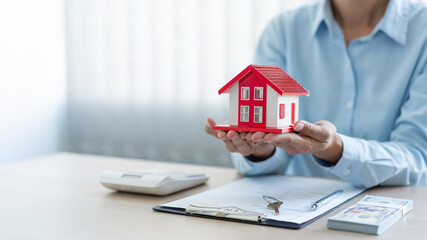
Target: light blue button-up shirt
x=374, y=90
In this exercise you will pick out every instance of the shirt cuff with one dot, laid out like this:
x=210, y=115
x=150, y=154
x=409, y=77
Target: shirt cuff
x=351, y=161
x=275, y=164
x=322, y=162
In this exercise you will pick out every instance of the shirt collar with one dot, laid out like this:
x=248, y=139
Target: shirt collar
x=396, y=20
x=319, y=17
x=394, y=23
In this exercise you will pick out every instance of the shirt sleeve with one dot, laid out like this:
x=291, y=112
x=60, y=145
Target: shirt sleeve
x=400, y=161
x=276, y=164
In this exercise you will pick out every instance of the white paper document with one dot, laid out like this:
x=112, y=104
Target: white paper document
x=297, y=194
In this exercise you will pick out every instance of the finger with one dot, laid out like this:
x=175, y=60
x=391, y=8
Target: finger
x=230, y=146
x=252, y=144
x=208, y=127
x=222, y=135
x=249, y=135
x=294, y=144
x=270, y=137
x=227, y=142
x=258, y=136
x=232, y=134
x=210, y=121
x=303, y=144
x=289, y=149
x=321, y=131
x=244, y=135
x=241, y=144
x=291, y=139
x=248, y=138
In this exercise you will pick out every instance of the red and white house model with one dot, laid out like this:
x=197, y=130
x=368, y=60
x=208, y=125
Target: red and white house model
x=262, y=99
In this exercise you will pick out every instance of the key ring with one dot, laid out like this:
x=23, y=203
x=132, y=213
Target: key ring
x=273, y=199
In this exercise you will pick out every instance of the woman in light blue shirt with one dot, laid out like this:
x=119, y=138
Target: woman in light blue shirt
x=365, y=121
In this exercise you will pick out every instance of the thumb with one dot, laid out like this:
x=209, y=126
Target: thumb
x=321, y=131
x=210, y=122
x=208, y=127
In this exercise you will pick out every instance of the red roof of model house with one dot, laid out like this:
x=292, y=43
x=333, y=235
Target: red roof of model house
x=275, y=77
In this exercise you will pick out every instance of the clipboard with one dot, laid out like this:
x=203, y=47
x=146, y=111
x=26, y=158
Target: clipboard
x=227, y=202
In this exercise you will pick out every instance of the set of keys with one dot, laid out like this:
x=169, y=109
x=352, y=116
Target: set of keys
x=273, y=203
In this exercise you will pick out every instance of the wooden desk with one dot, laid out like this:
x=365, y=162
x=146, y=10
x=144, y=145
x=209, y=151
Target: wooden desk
x=59, y=197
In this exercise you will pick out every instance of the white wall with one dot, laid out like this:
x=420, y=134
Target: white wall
x=32, y=82
x=233, y=116
x=273, y=102
x=288, y=100
x=271, y=106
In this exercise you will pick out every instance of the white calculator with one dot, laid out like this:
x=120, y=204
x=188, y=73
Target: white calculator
x=151, y=181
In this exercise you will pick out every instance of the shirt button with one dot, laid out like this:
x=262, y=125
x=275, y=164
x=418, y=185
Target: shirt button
x=349, y=104
x=346, y=171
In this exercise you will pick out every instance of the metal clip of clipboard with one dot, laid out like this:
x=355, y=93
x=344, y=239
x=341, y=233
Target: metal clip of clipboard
x=226, y=212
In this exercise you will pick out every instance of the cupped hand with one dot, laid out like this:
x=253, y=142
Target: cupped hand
x=241, y=142
x=319, y=138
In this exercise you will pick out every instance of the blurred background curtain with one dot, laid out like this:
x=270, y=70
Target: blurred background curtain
x=143, y=75
x=33, y=99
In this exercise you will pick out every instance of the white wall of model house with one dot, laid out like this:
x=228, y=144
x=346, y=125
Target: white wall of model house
x=273, y=102
x=272, y=107
x=287, y=100
x=233, y=116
